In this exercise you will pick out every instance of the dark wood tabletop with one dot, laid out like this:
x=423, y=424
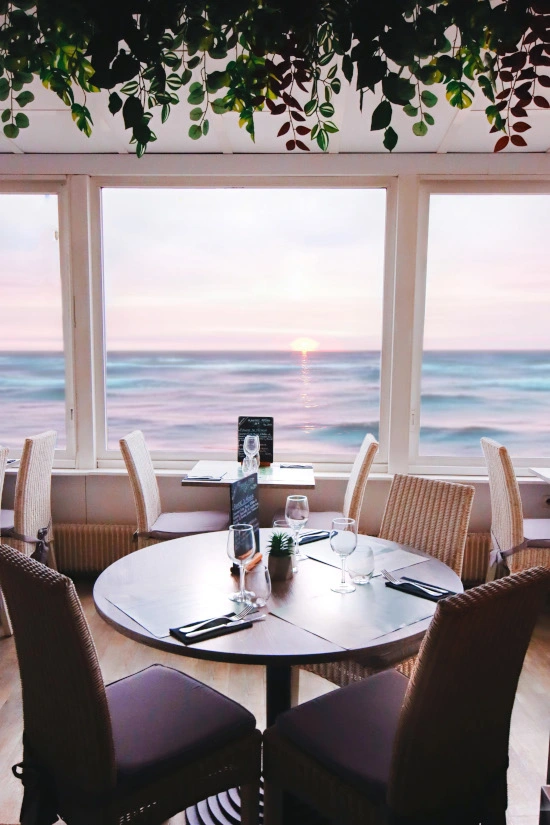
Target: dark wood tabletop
x=197, y=568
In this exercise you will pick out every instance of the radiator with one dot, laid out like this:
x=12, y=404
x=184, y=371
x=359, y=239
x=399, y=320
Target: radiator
x=476, y=558
x=90, y=548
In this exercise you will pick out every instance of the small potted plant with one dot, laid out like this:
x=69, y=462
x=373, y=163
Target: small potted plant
x=279, y=563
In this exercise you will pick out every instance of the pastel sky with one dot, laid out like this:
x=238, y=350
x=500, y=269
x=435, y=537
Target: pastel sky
x=258, y=269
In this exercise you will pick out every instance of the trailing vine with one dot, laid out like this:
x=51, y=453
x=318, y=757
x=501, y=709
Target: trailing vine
x=286, y=57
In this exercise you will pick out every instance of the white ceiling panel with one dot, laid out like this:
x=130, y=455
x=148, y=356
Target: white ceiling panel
x=470, y=133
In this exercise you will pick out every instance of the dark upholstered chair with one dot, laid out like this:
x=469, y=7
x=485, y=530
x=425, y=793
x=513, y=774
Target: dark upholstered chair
x=518, y=543
x=137, y=751
x=153, y=525
x=432, y=750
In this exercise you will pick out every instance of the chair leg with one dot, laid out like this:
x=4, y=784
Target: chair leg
x=250, y=803
x=273, y=803
x=294, y=686
x=5, y=621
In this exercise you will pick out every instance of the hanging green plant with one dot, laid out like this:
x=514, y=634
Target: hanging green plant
x=287, y=57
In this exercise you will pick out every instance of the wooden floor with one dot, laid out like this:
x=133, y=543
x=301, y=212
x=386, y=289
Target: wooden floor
x=120, y=656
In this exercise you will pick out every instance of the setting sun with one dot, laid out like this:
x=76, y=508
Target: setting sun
x=304, y=345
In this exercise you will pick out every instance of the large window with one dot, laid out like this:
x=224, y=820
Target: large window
x=227, y=302
x=486, y=361
x=32, y=360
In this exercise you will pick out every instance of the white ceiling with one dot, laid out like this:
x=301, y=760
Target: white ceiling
x=52, y=130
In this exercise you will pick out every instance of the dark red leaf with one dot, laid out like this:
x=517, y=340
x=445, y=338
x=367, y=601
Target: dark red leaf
x=504, y=94
x=287, y=80
x=493, y=129
x=258, y=100
x=303, y=130
x=518, y=111
x=291, y=101
x=501, y=143
x=517, y=140
x=541, y=6
x=302, y=146
x=541, y=102
x=502, y=105
x=523, y=91
x=297, y=116
x=540, y=61
x=290, y=145
x=527, y=74
x=515, y=61
x=544, y=80
x=279, y=109
x=530, y=38
x=284, y=129
x=301, y=86
x=506, y=77
x=521, y=126
x=270, y=105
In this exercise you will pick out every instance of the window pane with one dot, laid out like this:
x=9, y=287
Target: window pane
x=486, y=364
x=32, y=362
x=233, y=302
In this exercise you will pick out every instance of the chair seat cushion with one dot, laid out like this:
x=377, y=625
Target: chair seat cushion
x=176, y=525
x=162, y=719
x=350, y=731
x=317, y=521
x=536, y=528
x=6, y=520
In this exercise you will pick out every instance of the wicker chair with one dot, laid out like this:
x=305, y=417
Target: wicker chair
x=137, y=751
x=153, y=525
x=5, y=626
x=432, y=750
x=428, y=515
x=518, y=543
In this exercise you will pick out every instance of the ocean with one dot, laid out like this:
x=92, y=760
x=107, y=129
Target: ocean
x=322, y=402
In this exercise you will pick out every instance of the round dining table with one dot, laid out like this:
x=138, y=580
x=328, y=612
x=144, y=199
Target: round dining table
x=175, y=582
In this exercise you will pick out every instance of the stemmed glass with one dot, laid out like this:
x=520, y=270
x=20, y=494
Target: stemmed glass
x=241, y=546
x=297, y=514
x=251, y=446
x=343, y=540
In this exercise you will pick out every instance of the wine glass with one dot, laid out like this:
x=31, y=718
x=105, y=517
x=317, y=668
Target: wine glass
x=362, y=568
x=259, y=582
x=343, y=540
x=241, y=546
x=251, y=446
x=297, y=514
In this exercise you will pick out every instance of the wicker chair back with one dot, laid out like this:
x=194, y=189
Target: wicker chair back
x=355, y=491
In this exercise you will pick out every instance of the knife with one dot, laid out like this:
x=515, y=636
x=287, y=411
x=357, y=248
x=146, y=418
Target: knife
x=231, y=625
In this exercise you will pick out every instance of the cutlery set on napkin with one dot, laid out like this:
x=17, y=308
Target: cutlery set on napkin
x=416, y=587
x=217, y=625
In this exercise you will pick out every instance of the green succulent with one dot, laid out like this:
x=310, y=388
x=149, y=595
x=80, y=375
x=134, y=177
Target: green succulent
x=280, y=545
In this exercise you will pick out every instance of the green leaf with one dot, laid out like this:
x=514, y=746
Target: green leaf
x=347, y=67
x=173, y=81
x=6, y=114
x=410, y=110
x=326, y=109
x=186, y=77
x=21, y=120
x=165, y=113
x=11, y=130
x=196, y=96
x=24, y=98
x=195, y=132
x=329, y=126
x=130, y=88
x=205, y=127
x=218, y=106
x=193, y=63
x=381, y=116
x=336, y=85
x=430, y=120
x=390, y=139
x=428, y=99
x=310, y=107
x=322, y=140
x=115, y=103
x=326, y=59
x=4, y=89
x=420, y=129
x=331, y=72
x=195, y=114
x=398, y=89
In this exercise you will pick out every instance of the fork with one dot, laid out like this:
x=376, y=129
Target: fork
x=235, y=617
x=427, y=588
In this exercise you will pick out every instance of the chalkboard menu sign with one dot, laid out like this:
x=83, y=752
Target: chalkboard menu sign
x=263, y=427
x=244, y=507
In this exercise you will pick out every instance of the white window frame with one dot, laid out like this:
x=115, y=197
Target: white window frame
x=167, y=459
x=441, y=464
x=64, y=458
